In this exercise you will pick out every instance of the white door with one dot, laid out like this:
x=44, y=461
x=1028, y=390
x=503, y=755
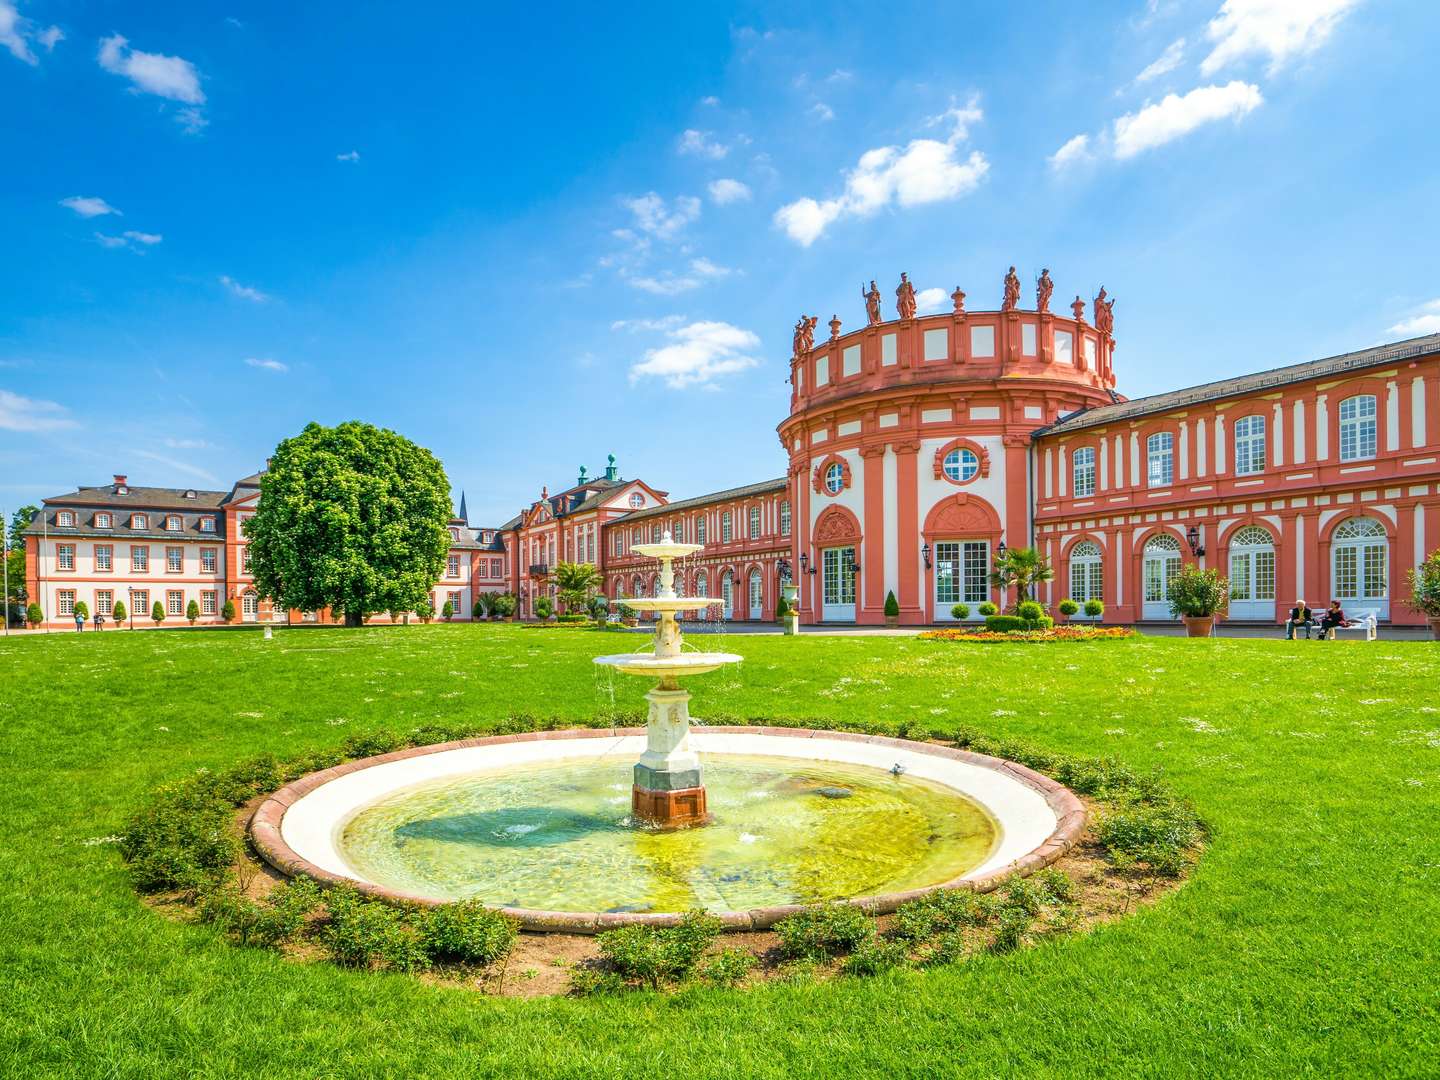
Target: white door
x=250, y=606
x=1252, y=575
x=757, y=594
x=1162, y=562
x=727, y=594
x=837, y=584
x=962, y=576
x=1087, y=576
x=1360, y=558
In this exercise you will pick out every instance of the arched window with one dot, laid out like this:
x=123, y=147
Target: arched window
x=1083, y=473
x=960, y=465
x=1160, y=458
x=1087, y=572
x=835, y=478
x=1249, y=445
x=702, y=583
x=1357, y=427
x=1360, y=553
x=1252, y=574
x=1162, y=562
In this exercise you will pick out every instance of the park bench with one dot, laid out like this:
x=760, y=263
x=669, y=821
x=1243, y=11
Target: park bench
x=1362, y=624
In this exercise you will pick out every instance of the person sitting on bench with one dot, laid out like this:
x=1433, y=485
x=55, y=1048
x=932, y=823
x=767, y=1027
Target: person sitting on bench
x=1331, y=619
x=1301, y=617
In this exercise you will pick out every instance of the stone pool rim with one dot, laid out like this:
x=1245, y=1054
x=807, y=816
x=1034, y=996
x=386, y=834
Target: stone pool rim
x=265, y=830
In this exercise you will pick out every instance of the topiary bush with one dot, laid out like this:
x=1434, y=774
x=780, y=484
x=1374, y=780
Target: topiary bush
x=118, y=612
x=1030, y=611
x=33, y=615
x=960, y=611
x=987, y=609
x=892, y=606
x=1068, y=607
x=543, y=607
x=1094, y=608
x=157, y=613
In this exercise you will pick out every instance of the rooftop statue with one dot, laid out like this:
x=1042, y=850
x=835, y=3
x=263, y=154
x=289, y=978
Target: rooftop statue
x=805, y=334
x=1104, y=314
x=1077, y=307
x=872, y=302
x=1044, y=289
x=1012, y=291
x=905, y=298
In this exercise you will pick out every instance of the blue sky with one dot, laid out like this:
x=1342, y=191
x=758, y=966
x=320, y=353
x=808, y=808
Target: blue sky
x=529, y=244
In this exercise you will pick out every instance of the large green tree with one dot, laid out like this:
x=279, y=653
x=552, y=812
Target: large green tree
x=352, y=518
x=16, y=559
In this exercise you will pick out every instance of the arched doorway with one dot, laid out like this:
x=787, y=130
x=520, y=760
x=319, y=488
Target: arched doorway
x=250, y=606
x=1162, y=562
x=727, y=594
x=757, y=594
x=1252, y=574
x=837, y=535
x=1087, y=575
x=1360, y=566
x=961, y=531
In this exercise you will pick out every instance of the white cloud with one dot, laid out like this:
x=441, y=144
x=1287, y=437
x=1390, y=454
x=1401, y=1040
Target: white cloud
x=148, y=239
x=1277, y=29
x=924, y=171
x=16, y=33
x=1165, y=63
x=701, y=144
x=110, y=241
x=179, y=466
x=169, y=77
x=669, y=284
x=727, y=191
x=665, y=322
x=244, y=292
x=821, y=111
x=839, y=75
x=1174, y=116
x=929, y=300
x=134, y=241
x=697, y=355
x=1425, y=321
x=188, y=444
x=711, y=101
x=29, y=414
x=1074, y=151
x=352, y=156
x=266, y=364
x=88, y=206
x=657, y=218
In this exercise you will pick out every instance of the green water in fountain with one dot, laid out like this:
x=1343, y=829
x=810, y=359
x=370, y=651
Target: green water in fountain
x=558, y=836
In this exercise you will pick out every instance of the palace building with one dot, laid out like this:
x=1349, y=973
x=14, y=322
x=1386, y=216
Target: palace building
x=917, y=447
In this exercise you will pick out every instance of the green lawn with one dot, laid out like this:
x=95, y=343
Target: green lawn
x=1306, y=941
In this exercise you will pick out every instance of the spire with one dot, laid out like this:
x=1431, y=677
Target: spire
x=463, y=514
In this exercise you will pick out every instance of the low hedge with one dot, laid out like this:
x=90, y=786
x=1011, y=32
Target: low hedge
x=1001, y=624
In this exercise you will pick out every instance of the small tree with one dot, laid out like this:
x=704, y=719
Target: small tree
x=960, y=611
x=34, y=616
x=192, y=612
x=1021, y=568
x=543, y=607
x=1424, y=584
x=157, y=613
x=118, y=612
x=227, y=611
x=1196, y=593
x=1094, y=608
x=447, y=611
x=1068, y=607
x=575, y=584
x=82, y=610
x=502, y=604
x=478, y=610
x=892, y=606
x=425, y=611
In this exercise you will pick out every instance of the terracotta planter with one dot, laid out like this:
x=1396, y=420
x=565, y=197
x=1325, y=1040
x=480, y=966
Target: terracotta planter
x=1435, y=627
x=1199, y=625
x=892, y=621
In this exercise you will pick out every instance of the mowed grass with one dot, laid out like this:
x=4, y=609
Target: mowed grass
x=1306, y=943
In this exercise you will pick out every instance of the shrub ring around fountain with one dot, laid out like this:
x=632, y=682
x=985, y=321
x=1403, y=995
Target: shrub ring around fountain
x=266, y=832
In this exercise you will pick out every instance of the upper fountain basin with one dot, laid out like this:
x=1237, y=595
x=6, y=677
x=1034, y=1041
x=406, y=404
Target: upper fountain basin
x=666, y=603
x=665, y=550
x=689, y=663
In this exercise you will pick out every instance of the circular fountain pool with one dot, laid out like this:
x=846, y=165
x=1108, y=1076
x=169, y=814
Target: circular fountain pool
x=540, y=825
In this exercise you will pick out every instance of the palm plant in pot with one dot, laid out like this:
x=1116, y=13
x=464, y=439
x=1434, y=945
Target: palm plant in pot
x=1196, y=596
x=1425, y=590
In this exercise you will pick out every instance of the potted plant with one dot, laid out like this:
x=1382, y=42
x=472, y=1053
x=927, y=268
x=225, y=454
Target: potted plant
x=447, y=612
x=1196, y=596
x=543, y=608
x=425, y=611
x=157, y=613
x=627, y=615
x=477, y=611
x=227, y=611
x=892, y=610
x=1425, y=590
x=34, y=616
x=192, y=612
x=1068, y=608
x=118, y=613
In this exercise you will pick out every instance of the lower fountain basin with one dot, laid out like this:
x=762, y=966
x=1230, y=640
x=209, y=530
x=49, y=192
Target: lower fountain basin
x=538, y=825
x=668, y=667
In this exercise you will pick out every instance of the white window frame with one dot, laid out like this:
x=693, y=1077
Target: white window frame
x=754, y=523
x=1249, y=445
x=785, y=523
x=174, y=602
x=1082, y=472
x=1160, y=451
x=104, y=558
x=174, y=560
x=65, y=556
x=139, y=559
x=1359, y=428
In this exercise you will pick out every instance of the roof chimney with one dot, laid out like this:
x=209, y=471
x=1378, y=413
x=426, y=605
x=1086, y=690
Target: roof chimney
x=120, y=484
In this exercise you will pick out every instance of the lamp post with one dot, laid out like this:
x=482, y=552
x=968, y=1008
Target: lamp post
x=1192, y=537
x=5, y=555
x=131, y=590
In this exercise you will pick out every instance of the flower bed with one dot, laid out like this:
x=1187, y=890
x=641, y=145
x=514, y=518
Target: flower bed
x=1057, y=633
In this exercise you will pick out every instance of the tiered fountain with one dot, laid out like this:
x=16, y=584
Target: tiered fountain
x=669, y=790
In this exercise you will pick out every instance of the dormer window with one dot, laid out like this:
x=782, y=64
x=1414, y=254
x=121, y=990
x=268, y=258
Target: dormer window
x=65, y=519
x=190, y=493
x=139, y=521
x=104, y=521
x=207, y=524
x=455, y=534
x=172, y=523
x=637, y=499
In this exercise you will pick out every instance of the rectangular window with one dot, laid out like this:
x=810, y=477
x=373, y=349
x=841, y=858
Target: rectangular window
x=1249, y=445
x=65, y=556
x=172, y=523
x=174, y=560
x=726, y=530
x=104, y=558
x=65, y=601
x=1357, y=428
x=1027, y=339
x=455, y=601
x=839, y=576
x=982, y=341
x=1064, y=347
x=207, y=524
x=207, y=602
x=174, y=602
x=619, y=543
x=452, y=566
x=937, y=344
x=754, y=523
x=961, y=573
x=655, y=533
x=889, y=357
x=208, y=560
x=245, y=560
x=139, y=521
x=103, y=521
x=785, y=518
x=850, y=360
x=700, y=529
x=1083, y=473
x=104, y=602
x=140, y=602
x=822, y=370
x=1160, y=458
x=139, y=560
